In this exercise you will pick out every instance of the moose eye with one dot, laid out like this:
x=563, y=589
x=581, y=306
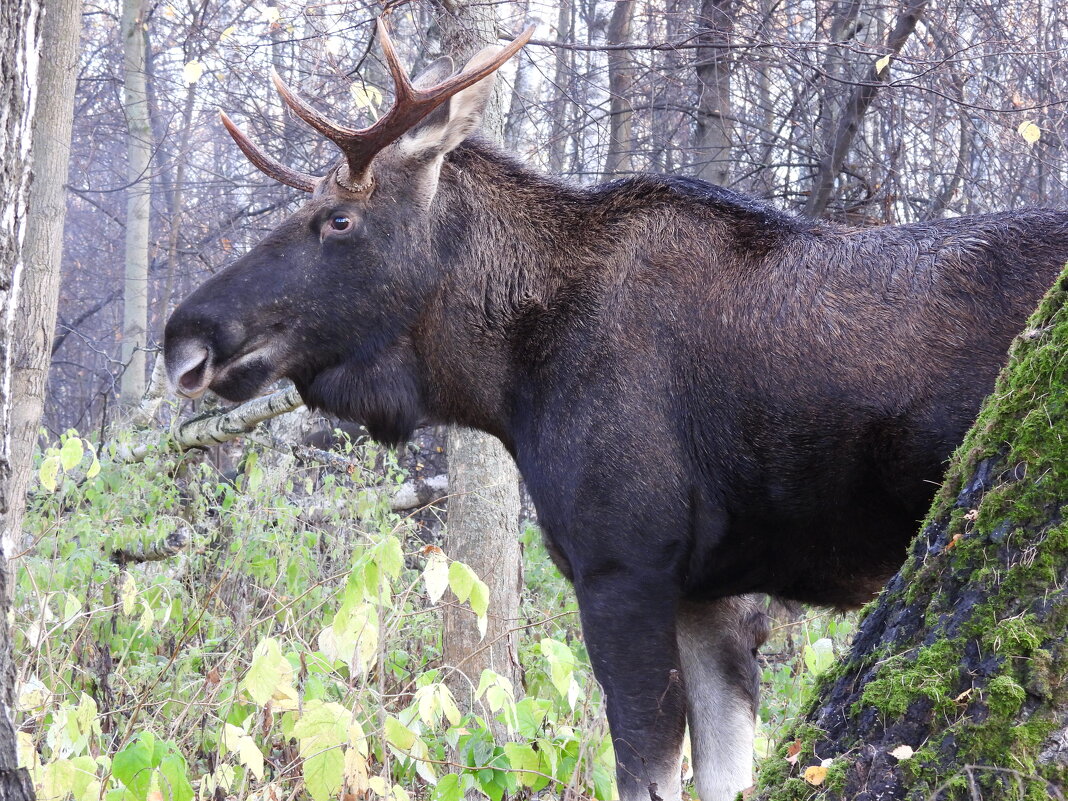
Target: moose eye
x=339, y=222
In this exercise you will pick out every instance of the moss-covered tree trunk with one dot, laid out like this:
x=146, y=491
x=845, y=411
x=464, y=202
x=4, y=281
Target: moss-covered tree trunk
x=956, y=686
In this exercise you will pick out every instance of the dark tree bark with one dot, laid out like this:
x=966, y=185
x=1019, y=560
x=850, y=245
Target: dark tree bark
x=20, y=26
x=956, y=686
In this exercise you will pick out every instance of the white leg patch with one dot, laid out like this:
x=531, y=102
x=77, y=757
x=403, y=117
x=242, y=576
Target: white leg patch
x=716, y=642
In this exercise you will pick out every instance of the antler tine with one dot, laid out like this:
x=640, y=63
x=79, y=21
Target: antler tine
x=447, y=88
x=333, y=131
x=266, y=164
x=402, y=85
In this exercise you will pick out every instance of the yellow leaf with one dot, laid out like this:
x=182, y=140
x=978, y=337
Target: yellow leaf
x=1030, y=132
x=192, y=72
x=128, y=594
x=902, y=752
x=47, y=473
x=355, y=771
x=436, y=576
x=882, y=64
x=815, y=774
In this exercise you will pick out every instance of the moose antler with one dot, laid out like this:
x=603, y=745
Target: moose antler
x=275, y=169
x=411, y=105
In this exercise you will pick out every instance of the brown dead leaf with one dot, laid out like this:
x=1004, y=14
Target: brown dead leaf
x=952, y=543
x=747, y=793
x=964, y=696
x=429, y=549
x=793, y=752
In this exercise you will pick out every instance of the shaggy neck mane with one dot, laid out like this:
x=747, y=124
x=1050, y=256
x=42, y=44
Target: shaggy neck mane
x=525, y=256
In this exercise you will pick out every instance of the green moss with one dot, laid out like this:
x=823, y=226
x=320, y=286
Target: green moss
x=1004, y=696
x=930, y=672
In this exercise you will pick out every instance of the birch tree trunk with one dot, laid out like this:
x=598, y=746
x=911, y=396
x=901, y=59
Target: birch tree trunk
x=20, y=22
x=956, y=686
x=43, y=251
x=138, y=205
x=483, y=515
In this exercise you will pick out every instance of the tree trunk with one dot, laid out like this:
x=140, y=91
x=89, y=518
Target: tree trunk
x=20, y=25
x=619, y=159
x=714, y=122
x=956, y=685
x=837, y=147
x=35, y=325
x=483, y=516
x=138, y=205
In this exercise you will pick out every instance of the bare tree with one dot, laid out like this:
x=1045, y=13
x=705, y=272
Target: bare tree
x=483, y=517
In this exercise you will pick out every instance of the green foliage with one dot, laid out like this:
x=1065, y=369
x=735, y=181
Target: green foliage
x=284, y=653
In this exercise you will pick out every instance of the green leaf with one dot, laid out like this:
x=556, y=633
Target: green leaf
x=269, y=670
x=561, y=664
x=449, y=788
x=174, y=781
x=48, y=472
x=94, y=468
x=322, y=726
x=461, y=579
x=133, y=765
x=324, y=773
x=390, y=557
x=523, y=758
x=399, y=735
x=819, y=656
x=71, y=453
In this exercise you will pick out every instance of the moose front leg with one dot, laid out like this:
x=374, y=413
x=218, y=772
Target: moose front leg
x=629, y=625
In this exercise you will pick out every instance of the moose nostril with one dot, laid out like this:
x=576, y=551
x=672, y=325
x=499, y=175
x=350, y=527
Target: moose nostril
x=192, y=374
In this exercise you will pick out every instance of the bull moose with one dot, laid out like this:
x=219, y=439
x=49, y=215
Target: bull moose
x=707, y=397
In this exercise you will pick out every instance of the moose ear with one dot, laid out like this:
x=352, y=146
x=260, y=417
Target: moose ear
x=454, y=121
x=436, y=72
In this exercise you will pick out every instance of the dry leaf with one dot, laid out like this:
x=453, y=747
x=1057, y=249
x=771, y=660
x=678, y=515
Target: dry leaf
x=964, y=696
x=1030, y=132
x=793, y=752
x=902, y=752
x=815, y=774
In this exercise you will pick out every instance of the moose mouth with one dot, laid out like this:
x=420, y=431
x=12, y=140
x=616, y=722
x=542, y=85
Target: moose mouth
x=237, y=379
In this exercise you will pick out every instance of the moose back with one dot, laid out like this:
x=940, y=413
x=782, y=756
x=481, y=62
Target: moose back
x=706, y=397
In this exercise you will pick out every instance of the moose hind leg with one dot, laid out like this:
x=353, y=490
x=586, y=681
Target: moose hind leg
x=717, y=651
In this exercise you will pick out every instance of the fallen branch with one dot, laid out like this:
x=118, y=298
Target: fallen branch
x=217, y=427
x=177, y=540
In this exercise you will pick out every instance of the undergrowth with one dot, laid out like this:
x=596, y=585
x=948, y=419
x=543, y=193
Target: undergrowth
x=289, y=646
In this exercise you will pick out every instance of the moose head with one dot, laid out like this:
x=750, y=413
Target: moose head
x=325, y=297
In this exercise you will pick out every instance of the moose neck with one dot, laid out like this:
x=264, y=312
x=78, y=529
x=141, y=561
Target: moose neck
x=506, y=240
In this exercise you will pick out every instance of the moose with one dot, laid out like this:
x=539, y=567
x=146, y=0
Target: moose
x=707, y=397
